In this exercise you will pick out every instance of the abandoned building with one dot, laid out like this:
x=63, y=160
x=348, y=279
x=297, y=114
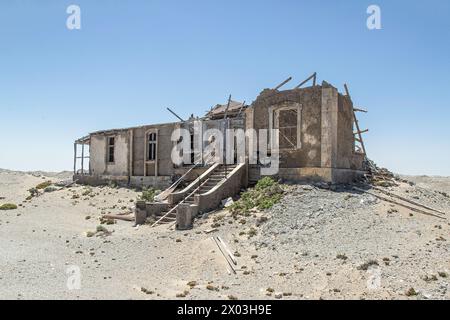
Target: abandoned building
x=316, y=142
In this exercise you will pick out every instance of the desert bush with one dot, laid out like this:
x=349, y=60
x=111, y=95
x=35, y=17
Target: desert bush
x=366, y=265
x=8, y=206
x=264, y=195
x=43, y=185
x=148, y=194
x=50, y=189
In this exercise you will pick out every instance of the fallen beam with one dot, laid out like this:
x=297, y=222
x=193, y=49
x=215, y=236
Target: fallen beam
x=227, y=250
x=407, y=200
x=399, y=204
x=224, y=255
x=128, y=217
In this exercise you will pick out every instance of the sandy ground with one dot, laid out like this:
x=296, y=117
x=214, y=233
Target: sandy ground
x=313, y=245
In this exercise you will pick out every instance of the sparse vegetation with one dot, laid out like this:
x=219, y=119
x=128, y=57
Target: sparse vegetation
x=210, y=287
x=148, y=194
x=146, y=291
x=43, y=185
x=366, y=265
x=264, y=195
x=411, y=292
x=87, y=191
x=8, y=206
x=341, y=256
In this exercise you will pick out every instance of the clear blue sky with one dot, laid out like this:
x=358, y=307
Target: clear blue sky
x=131, y=59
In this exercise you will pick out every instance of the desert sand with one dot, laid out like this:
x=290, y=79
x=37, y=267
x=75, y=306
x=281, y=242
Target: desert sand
x=314, y=244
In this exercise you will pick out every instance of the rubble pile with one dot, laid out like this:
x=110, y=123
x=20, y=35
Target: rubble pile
x=380, y=177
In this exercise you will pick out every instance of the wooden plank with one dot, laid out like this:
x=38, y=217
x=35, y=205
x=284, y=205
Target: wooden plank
x=356, y=121
x=224, y=256
x=233, y=259
x=399, y=204
x=313, y=76
x=75, y=158
x=407, y=200
x=172, y=112
x=283, y=83
x=128, y=217
x=228, y=106
x=82, y=159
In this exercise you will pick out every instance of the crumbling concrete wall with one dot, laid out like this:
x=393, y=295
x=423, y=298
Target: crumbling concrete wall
x=329, y=121
x=309, y=155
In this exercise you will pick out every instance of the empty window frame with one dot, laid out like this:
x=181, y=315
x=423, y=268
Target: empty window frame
x=286, y=123
x=110, y=149
x=151, y=146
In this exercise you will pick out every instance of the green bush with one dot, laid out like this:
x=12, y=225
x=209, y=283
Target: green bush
x=148, y=194
x=264, y=195
x=43, y=185
x=8, y=206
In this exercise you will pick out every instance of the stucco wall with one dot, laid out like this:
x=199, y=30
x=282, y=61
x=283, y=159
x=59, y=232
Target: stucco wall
x=310, y=136
x=165, y=165
x=98, y=154
x=345, y=138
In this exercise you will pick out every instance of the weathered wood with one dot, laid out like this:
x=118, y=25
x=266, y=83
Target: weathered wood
x=356, y=121
x=407, y=200
x=172, y=112
x=228, y=106
x=240, y=110
x=283, y=83
x=224, y=256
x=227, y=250
x=82, y=159
x=313, y=76
x=359, y=110
x=399, y=204
x=128, y=217
x=75, y=158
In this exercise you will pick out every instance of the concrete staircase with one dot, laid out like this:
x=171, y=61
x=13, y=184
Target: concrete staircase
x=166, y=218
x=214, y=185
x=211, y=181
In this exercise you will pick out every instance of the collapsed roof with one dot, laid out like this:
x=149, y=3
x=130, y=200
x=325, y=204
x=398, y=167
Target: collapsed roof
x=234, y=109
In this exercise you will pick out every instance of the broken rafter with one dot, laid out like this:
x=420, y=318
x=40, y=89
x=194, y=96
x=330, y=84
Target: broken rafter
x=228, y=106
x=283, y=83
x=358, y=130
x=172, y=112
x=242, y=107
x=313, y=76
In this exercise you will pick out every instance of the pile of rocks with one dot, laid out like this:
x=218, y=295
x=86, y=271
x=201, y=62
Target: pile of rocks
x=381, y=177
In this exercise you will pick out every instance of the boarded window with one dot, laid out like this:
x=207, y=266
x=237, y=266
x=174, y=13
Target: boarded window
x=151, y=150
x=111, y=142
x=287, y=125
